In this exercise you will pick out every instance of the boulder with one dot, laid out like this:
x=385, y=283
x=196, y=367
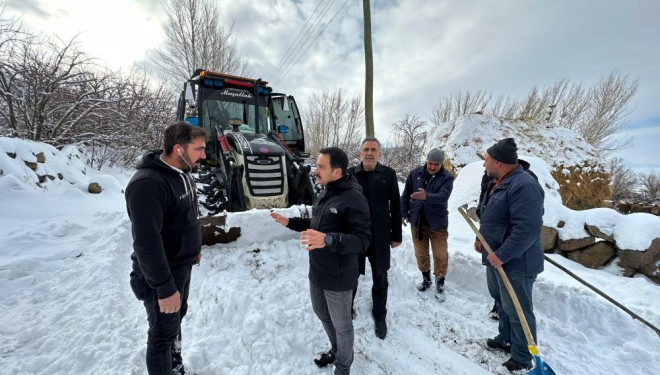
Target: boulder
x=594, y=256
x=41, y=158
x=549, y=238
x=596, y=232
x=213, y=230
x=646, y=262
x=94, y=188
x=575, y=244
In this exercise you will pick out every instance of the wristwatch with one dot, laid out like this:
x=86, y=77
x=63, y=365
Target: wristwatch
x=329, y=239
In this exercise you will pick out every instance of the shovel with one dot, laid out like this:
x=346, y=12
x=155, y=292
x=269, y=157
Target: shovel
x=540, y=367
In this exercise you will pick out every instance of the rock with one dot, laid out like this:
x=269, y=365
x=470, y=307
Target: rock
x=575, y=244
x=623, y=208
x=655, y=211
x=646, y=262
x=596, y=232
x=548, y=238
x=41, y=158
x=60, y=176
x=12, y=155
x=561, y=224
x=31, y=165
x=594, y=256
x=213, y=231
x=94, y=188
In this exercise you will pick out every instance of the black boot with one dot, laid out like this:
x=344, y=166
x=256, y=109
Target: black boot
x=440, y=287
x=426, y=281
x=324, y=358
x=381, y=329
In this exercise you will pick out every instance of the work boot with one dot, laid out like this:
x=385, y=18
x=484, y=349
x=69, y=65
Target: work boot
x=513, y=365
x=426, y=281
x=381, y=329
x=497, y=344
x=439, y=287
x=324, y=358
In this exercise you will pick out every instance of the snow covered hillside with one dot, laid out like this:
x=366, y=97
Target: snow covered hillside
x=466, y=139
x=68, y=308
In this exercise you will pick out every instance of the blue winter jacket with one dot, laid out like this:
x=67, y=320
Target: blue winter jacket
x=437, y=190
x=511, y=222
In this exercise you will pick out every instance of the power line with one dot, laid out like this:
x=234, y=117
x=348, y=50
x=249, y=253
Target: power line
x=297, y=56
x=286, y=54
x=301, y=44
x=312, y=43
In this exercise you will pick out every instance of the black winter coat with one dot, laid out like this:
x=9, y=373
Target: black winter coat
x=162, y=206
x=382, y=191
x=340, y=210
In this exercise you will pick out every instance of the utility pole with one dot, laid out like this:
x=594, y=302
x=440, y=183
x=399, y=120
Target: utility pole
x=369, y=72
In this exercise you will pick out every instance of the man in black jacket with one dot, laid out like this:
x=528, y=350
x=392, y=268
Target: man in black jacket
x=338, y=231
x=167, y=239
x=380, y=187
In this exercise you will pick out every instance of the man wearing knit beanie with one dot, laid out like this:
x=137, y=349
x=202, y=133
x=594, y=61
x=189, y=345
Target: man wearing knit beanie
x=424, y=204
x=511, y=222
x=505, y=150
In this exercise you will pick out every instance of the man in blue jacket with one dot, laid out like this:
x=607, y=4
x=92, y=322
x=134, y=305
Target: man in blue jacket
x=424, y=205
x=339, y=230
x=167, y=240
x=511, y=222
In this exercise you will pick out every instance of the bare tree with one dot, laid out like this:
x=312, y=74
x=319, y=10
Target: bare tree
x=49, y=90
x=196, y=39
x=650, y=187
x=596, y=113
x=333, y=120
x=622, y=181
x=408, y=141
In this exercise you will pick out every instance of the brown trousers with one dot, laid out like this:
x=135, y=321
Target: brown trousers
x=438, y=240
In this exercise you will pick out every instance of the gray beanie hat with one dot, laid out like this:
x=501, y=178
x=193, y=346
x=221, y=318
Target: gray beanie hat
x=436, y=156
x=505, y=151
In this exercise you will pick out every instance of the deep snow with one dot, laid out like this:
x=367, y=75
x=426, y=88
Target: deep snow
x=68, y=308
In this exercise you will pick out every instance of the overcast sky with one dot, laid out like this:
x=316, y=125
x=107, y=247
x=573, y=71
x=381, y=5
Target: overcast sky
x=424, y=50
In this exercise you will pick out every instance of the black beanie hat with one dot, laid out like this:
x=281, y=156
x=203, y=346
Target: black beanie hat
x=504, y=151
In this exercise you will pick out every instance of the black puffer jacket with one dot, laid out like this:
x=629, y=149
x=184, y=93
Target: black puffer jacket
x=162, y=206
x=340, y=210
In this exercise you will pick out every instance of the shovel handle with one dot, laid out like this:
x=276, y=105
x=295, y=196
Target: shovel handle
x=507, y=283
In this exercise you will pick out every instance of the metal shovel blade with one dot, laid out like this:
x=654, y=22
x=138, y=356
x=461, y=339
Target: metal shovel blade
x=540, y=367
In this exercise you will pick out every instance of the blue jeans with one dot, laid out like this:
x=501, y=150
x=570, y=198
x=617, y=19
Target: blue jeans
x=510, y=328
x=333, y=308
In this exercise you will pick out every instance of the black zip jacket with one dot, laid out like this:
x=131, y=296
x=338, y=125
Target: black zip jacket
x=342, y=211
x=162, y=206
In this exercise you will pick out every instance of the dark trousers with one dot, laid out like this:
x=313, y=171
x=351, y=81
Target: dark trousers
x=509, y=326
x=378, y=291
x=164, y=336
x=333, y=310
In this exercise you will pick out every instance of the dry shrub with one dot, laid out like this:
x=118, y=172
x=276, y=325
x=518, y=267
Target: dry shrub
x=582, y=187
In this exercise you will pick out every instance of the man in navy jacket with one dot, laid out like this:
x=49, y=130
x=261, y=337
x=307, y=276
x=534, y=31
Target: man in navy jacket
x=339, y=230
x=424, y=205
x=511, y=222
x=167, y=239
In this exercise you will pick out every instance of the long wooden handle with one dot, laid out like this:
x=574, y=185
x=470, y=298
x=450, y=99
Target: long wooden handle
x=507, y=283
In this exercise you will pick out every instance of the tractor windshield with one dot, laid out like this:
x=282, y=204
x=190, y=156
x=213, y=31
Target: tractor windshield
x=217, y=107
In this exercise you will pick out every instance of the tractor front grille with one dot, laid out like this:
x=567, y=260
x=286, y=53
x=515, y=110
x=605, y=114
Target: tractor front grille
x=264, y=175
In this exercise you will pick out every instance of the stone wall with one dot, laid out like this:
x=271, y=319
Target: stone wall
x=597, y=249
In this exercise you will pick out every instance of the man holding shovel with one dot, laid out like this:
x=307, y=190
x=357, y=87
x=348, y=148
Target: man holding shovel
x=511, y=221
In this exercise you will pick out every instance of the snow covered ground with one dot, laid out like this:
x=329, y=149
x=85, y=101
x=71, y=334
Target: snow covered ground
x=68, y=308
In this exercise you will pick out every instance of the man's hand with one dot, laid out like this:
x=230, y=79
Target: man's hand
x=494, y=260
x=404, y=221
x=171, y=304
x=279, y=218
x=312, y=239
x=477, y=246
x=394, y=244
x=198, y=259
x=420, y=194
